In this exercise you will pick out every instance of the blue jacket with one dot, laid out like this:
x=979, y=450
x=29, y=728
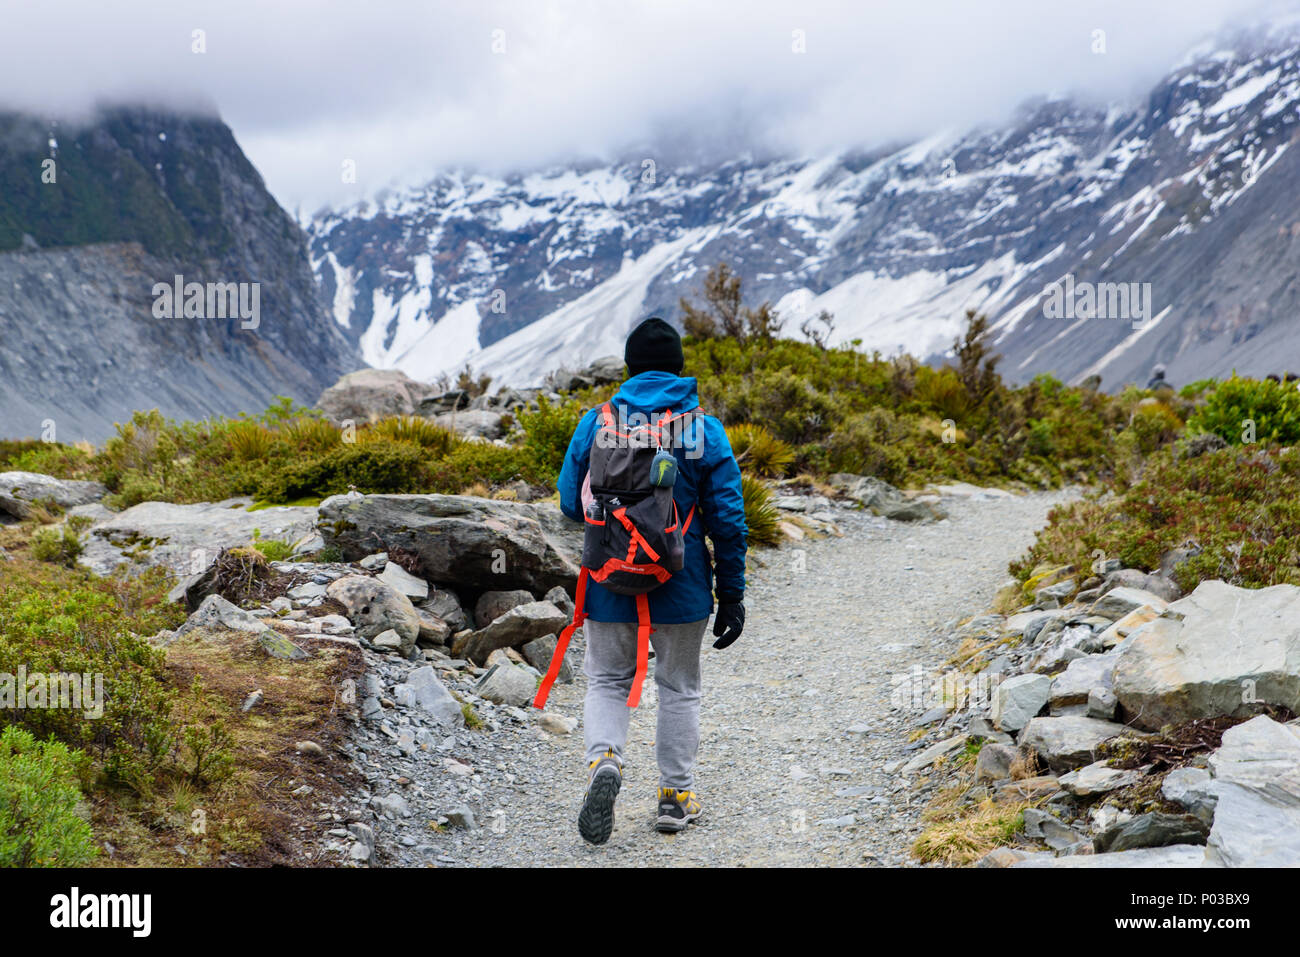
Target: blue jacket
x=708, y=479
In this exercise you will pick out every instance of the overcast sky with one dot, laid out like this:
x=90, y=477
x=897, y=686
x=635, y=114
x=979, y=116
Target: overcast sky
x=403, y=88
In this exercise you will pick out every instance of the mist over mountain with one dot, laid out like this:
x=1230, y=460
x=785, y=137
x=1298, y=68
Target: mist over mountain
x=1185, y=196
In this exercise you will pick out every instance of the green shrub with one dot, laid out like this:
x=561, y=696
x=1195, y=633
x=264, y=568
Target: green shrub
x=39, y=793
x=1241, y=509
x=547, y=432
x=761, y=516
x=55, y=620
x=758, y=451
x=370, y=467
x=481, y=463
x=1237, y=407
x=434, y=439
x=62, y=544
x=273, y=550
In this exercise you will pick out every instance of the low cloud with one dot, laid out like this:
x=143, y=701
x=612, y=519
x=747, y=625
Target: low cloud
x=401, y=89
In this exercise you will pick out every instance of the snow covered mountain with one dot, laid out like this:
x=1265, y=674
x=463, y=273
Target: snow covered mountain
x=1171, y=224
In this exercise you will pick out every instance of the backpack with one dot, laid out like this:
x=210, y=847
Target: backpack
x=634, y=538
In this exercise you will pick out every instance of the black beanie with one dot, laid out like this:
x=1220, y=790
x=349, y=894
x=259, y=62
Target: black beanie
x=654, y=345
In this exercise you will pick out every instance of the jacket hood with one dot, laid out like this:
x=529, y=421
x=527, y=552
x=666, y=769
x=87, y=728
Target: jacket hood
x=655, y=391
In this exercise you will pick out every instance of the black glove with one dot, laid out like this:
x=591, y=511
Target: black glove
x=729, y=622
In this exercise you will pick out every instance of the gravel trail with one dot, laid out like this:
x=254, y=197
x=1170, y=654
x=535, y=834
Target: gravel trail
x=796, y=725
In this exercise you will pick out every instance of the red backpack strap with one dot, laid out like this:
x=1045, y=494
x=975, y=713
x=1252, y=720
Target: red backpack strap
x=642, y=648
x=562, y=643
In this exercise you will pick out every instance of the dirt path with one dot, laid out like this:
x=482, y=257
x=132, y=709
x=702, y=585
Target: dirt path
x=797, y=725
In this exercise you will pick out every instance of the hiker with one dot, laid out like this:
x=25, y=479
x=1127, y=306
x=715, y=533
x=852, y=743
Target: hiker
x=1158, y=378
x=629, y=595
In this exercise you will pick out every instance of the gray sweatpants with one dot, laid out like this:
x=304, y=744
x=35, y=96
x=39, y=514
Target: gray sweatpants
x=610, y=666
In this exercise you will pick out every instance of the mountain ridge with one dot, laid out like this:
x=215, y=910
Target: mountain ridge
x=514, y=274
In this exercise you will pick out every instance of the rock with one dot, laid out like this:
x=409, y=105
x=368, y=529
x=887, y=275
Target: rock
x=1102, y=704
x=1151, y=830
x=507, y=684
x=370, y=394
x=186, y=539
x=982, y=727
x=515, y=628
x=556, y=723
x=392, y=806
x=1132, y=578
x=606, y=370
x=218, y=613
x=1118, y=602
x=934, y=752
x=883, y=499
x=424, y=691
x=400, y=580
x=1257, y=781
x=1054, y=832
x=1018, y=699
x=20, y=491
x=388, y=640
x=278, y=646
x=1097, y=778
x=306, y=592
x=560, y=598
x=1068, y=742
x=1125, y=626
x=375, y=562
x=1177, y=855
x=1221, y=650
x=1027, y=789
x=252, y=701
x=433, y=630
x=1006, y=856
x=1080, y=677
x=539, y=652
x=374, y=607
x=460, y=539
x=461, y=816
x=475, y=423
x=445, y=604
x=491, y=605
x=1061, y=591
x=1074, y=642
x=1193, y=789
x=994, y=762
x=334, y=625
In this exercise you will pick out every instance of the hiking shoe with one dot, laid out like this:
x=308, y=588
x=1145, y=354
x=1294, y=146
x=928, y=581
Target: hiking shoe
x=596, y=819
x=676, y=810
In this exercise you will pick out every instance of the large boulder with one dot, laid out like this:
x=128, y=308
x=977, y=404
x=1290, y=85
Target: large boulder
x=475, y=423
x=422, y=690
x=461, y=540
x=1018, y=699
x=1068, y=742
x=883, y=499
x=1257, y=784
x=1176, y=855
x=370, y=394
x=491, y=605
x=187, y=538
x=1221, y=650
x=374, y=607
x=517, y=627
x=20, y=491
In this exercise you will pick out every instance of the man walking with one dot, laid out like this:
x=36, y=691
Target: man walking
x=707, y=486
